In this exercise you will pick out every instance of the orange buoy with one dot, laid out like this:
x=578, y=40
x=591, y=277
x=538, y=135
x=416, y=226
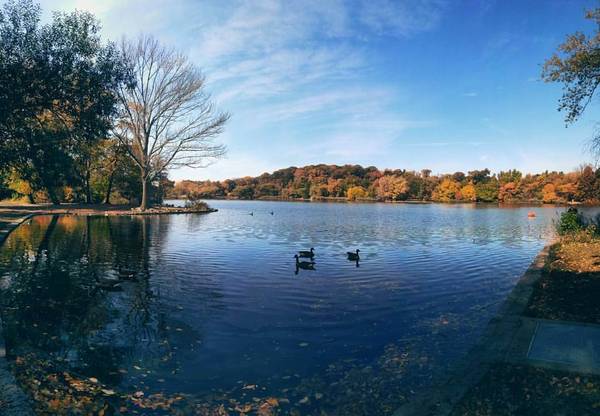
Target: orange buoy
x=531, y=214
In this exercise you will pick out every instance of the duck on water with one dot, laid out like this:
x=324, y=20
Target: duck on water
x=354, y=256
x=307, y=254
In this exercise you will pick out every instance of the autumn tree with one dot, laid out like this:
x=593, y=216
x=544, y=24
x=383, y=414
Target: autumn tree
x=391, y=188
x=576, y=65
x=587, y=187
x=468, y=193
x=448, y=190
x=167, y=118
x=356, y=192
x=549, y=193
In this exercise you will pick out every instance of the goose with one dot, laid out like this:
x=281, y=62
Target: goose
x=108, y=284
x=305, y=265
x=353, y=256
x=127, y=276
x=309, y=254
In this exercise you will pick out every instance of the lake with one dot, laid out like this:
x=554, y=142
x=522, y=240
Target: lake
x=212, y=308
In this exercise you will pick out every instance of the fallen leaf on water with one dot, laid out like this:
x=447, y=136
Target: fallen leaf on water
x=272, y=401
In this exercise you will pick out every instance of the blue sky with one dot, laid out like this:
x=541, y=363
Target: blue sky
x=444, y=85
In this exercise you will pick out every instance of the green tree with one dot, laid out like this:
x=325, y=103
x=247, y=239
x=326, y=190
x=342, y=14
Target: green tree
x=58, y=86
x=487, y=191
x=479, y=176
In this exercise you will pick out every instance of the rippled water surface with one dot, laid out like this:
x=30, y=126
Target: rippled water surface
x=213, y=306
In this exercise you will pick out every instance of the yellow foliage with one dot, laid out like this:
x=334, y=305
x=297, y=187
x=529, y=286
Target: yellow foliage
x=447, y=190
x=391, y=187
x=20, y=186
x=549, y=193
x=468, y=193
x=356, y=192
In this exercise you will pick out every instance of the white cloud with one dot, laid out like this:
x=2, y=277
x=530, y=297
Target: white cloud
x=279, y=63
x=401, y=18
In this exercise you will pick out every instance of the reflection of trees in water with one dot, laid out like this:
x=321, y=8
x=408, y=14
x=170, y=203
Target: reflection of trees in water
x=51, y=302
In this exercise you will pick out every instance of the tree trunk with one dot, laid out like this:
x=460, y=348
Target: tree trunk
x=88, y=187
x=109, y=188
x=52, y=195
x=51, y=192
x=145, y=197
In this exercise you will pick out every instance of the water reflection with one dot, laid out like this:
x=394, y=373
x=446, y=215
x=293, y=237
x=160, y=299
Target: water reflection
x=59, y=298
x=304, y=265
x=207, y=306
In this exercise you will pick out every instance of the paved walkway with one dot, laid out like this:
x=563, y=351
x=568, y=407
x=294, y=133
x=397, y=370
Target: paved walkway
x=12, y=399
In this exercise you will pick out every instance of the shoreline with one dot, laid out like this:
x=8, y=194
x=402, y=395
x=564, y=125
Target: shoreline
x=522, y=204
x=494, y=345
x=12, y=210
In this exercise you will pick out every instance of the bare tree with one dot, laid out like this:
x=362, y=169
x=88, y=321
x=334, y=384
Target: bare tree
x=167, y=120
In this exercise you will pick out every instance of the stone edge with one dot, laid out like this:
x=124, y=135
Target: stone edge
x=493, y=346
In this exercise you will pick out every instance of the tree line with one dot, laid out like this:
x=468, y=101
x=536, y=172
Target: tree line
x=354, y=182
x=82, y=120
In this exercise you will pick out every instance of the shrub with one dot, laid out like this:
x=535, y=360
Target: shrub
x=570, y=222
x=193, y=201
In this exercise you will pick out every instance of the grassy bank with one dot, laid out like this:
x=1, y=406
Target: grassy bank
x=569, y=289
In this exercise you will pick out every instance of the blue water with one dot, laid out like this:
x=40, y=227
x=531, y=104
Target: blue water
x=213, y=306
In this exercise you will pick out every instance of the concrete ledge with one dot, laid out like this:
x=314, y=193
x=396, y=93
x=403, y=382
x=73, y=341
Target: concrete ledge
x=494, y=345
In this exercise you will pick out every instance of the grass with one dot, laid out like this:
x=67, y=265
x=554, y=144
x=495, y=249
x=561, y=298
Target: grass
x=570, y=285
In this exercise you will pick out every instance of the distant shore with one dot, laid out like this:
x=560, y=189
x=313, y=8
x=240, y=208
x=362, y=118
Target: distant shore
x=407, y=202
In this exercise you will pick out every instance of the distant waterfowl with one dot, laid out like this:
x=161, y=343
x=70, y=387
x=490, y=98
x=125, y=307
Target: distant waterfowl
x=307, y=254
x=252, y=213
x=304, y=265
x=353, y=256
x=271, y=212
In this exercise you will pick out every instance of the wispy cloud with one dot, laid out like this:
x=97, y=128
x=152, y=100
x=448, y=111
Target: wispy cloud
x=298, y=65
